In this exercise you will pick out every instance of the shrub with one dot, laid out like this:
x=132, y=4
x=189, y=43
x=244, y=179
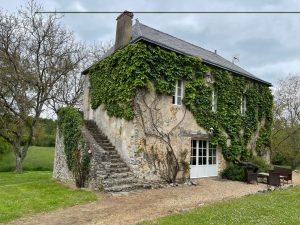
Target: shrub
x=262, y=165
x=234, y=172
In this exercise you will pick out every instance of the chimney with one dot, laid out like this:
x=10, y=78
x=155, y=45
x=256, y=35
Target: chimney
x=124, y=29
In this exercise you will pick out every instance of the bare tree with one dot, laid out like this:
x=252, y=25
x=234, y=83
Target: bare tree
x=36, y=54
x=150, y=117
x=287, y=115
x=69, y=90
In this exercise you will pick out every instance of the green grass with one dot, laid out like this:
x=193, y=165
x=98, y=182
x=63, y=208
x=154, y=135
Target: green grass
x=38, y=159
x=288, y=167
x=33, y=192
x=278, y=207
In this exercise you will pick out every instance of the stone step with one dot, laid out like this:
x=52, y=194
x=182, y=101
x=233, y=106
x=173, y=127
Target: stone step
x=112, y=153
x=125, y=187
x=120, y=181
x=106, y=144
x=119, y=170
x=118, y=165
x=102, y=140
x=116, y=160
x=98, y=134
x=121, y=175
x=108, y=148
x=115, y=156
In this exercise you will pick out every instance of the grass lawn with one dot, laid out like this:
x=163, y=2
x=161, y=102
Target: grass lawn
x=38, y=158
x=278, y=207
x=287, y=166
x=33, y=192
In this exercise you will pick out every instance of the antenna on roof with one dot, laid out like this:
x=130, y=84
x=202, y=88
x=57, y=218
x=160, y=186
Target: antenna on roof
x=236, y=58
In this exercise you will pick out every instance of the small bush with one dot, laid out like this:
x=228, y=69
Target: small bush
x=234, y=172
x=263, y=166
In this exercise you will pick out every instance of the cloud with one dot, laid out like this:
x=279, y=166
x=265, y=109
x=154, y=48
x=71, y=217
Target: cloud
x=268, y=45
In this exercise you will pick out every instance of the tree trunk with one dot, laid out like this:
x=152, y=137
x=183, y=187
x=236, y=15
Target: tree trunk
x=19, y=166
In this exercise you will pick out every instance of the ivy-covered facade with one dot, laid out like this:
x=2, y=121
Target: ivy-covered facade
x=242, y=118
x=150, y=100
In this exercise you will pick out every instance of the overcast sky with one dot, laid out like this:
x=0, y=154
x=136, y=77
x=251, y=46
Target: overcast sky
x=268, y=45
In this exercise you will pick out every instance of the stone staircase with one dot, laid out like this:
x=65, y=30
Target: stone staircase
x=119, y=177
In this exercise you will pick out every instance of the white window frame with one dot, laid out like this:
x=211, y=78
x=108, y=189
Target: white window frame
x=243, y=105
x=178, y=95
x=214, y=106
x=208, y=154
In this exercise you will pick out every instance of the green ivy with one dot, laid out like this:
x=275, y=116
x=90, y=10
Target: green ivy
x=116, y=79
x=70, y=123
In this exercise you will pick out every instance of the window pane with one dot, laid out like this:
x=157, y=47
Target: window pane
x=179, y=83
x=210, y=160
x=178, y=100
x=179, y=89
x=194, y=143
x=194, y=152
x=193, y=161
x=214, y=160
x=204, y=161
x=200, y=152
x=200, y=161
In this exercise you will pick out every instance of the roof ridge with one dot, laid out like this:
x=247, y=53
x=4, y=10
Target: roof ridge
x=208, y=51
x=179, y=39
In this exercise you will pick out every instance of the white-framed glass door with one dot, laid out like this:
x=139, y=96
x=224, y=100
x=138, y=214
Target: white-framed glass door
x=203, y=159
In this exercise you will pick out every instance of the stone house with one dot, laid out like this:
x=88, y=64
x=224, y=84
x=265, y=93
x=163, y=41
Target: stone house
x=134, y=156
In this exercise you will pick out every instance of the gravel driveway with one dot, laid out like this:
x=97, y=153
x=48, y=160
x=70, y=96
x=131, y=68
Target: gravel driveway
x=130, y=208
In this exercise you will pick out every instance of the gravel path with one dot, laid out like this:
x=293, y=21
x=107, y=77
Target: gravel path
x=130, y=208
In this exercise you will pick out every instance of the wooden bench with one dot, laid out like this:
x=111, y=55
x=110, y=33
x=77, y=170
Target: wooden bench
x=285, y=173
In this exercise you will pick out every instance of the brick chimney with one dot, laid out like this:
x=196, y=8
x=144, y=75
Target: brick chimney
x=124, y=29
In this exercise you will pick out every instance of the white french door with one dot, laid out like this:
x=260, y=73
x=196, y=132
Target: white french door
x=204, y=161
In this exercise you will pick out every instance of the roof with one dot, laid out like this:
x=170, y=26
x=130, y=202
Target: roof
x=148, y=34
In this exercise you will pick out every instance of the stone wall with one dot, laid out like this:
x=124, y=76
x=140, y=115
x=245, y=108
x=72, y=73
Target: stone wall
x=98, y=164
x=136, y=148
x=60, y=168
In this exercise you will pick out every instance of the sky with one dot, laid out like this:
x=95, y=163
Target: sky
x=268, y=45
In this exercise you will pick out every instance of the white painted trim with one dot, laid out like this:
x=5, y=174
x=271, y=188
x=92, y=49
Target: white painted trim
x=176, y=93
x=207, y=170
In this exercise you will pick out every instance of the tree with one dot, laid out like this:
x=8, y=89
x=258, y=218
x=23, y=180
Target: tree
x=36, y=54
x=69, y=90
x=287, y=119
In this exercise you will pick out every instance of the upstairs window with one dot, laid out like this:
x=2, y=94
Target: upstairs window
x=243, y=105
x=214, y=101
x=178, y=95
